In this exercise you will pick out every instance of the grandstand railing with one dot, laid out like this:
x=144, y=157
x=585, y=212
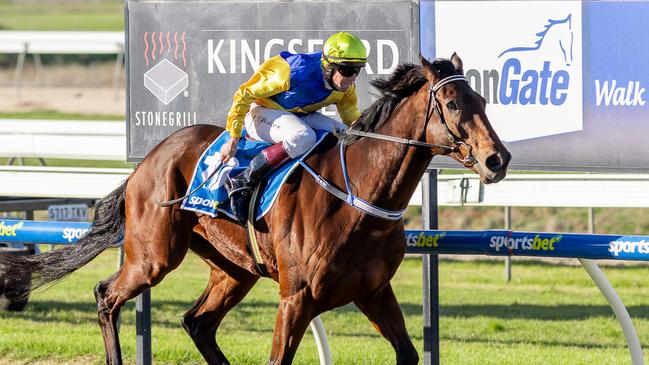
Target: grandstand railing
x=81, y=140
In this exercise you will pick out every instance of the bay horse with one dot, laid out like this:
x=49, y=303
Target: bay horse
x=323, y=252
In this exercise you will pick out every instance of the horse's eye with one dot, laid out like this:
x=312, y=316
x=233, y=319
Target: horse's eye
x=451, y=105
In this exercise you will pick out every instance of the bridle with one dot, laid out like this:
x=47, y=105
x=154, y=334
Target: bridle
x=467, y=161
x=368, y=207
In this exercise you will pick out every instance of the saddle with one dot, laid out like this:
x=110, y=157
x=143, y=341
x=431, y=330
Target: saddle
x=206, y=194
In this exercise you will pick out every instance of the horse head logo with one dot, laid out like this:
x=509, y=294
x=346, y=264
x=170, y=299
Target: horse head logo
x=557, y=33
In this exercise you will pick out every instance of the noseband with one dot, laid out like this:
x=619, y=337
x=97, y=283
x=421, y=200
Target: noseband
x=467, y=160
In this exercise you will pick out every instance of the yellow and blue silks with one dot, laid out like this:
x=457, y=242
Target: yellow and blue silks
x=291, y=82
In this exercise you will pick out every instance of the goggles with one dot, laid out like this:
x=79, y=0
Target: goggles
x=348, y=71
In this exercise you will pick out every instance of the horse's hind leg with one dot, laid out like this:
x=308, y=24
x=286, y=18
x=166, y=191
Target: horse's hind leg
x=108, y=321
x=222, y=293
x=382, y=309
x=150, y=255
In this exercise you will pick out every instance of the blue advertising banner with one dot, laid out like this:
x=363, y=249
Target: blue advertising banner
x=511, y=243
x=50, y=232
x=494, y=242
x=564, y=81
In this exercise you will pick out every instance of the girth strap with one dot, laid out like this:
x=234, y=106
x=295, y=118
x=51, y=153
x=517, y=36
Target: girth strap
x=251, y=238
x=350, y=198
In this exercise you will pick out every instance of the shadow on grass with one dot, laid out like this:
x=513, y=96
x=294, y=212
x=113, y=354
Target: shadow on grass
x=45, y=311
x=490, y=341
x=561, y=312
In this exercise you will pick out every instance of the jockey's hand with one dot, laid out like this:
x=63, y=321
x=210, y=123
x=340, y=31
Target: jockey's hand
x=229, y=149
x=339, y=129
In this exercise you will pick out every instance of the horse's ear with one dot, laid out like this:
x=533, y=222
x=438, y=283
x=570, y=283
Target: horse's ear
x=429, y=70
x=457, y=62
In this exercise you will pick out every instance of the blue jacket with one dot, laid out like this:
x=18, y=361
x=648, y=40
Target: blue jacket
x=291, y=82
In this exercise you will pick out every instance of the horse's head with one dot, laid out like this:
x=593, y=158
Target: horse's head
x=457, y=117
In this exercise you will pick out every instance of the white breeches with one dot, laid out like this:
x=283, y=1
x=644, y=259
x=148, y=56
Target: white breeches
x=295, y=132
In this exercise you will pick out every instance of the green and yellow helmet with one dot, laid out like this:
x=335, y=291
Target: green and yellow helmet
x=344, y=48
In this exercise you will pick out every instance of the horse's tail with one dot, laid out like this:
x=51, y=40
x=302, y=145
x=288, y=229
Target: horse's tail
x=107, y=230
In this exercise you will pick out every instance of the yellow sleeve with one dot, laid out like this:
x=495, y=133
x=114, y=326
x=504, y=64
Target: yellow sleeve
x=272, y=77
x=348, y=106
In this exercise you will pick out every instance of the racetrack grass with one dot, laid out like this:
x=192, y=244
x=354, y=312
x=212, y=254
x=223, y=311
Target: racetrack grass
x=61, y=162
x=107, y=15
x=547, y=315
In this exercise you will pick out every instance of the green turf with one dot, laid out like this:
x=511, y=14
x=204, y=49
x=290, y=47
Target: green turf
x=546, y=315
x=60, y=162
x=107, y=15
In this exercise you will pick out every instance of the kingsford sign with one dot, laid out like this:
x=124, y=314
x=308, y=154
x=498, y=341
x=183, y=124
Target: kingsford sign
x=231, y=56
x=186, y=61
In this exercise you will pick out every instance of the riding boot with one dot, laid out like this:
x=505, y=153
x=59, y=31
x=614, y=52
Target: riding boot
x=240, y=187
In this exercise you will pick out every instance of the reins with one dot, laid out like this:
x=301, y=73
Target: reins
x=467, y=160
x=367, y=207
x=409, y=142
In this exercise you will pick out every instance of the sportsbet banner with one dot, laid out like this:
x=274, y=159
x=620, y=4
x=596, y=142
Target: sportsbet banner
x=495, y=242
x=186, y=59
x=514, y=243
x=564, y=80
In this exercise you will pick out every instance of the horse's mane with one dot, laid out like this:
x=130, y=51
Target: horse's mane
x=404, y=81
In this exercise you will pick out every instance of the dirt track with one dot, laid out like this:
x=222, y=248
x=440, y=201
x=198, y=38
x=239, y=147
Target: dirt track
x=64, y=88
x=83, y=100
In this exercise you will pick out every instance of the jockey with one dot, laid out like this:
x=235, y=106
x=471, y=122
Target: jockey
x=279, y=105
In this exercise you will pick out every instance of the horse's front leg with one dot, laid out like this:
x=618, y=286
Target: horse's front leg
x=382, y=309
x=294, y=314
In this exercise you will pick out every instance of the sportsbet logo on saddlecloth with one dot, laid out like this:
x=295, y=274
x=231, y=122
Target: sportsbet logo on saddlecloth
x=524, y=58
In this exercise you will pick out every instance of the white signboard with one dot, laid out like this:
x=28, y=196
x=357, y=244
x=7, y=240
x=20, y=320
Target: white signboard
x=526, y=60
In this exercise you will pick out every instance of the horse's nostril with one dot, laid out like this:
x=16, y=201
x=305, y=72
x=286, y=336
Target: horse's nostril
x=494, y=162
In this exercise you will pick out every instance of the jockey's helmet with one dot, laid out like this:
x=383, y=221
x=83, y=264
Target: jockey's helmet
x=345, y=53
x=344, y=49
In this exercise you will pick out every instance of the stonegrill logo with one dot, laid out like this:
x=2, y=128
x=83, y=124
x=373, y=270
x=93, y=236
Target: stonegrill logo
x=530, y=77
x=165, y=80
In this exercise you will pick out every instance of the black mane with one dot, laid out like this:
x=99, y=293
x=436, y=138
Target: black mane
x=404, y=81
